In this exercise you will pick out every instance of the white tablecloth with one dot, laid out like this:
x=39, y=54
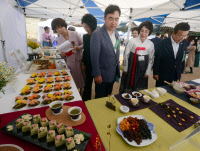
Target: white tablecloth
x=197, y=80
x=7, y=100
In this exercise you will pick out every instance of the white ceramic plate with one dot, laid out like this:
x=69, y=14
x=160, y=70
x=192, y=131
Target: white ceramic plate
x=144, y=142
x=12, y=145
x=133, y=93
x=124, y=94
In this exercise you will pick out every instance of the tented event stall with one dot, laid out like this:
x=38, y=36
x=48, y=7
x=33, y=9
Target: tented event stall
x=42, y=109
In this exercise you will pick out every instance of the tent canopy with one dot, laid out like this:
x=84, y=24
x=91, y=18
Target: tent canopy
x=73, y=10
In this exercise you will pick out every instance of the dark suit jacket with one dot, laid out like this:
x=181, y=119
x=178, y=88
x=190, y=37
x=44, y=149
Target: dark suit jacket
x=165, y=65
x=86, y=53
x=155, y=41
x=105, y=61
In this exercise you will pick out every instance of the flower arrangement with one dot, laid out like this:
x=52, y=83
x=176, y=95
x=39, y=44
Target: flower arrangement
x=32, y=44
x=6, y=75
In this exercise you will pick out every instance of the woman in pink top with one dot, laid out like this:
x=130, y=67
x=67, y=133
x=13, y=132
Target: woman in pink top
x=73, y=59
x=46, y=37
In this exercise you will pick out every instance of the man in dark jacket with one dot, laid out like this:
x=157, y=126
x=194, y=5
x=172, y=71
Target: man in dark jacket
x=169, y=59
x=156, y=40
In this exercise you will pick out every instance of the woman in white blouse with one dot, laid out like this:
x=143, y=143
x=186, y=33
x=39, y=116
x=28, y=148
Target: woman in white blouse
x=138, y=60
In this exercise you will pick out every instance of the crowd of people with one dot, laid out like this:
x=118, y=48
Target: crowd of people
x=100, y=59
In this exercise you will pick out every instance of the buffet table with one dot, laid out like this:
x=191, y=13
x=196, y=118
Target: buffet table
x=7, y=100
x=166, y=134
x=87, y=126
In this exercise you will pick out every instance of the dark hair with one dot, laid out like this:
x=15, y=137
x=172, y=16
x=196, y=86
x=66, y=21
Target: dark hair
x=181, y=26
x=90, y=20
x=148, y=25
x=58, y=22
x=111, y=9
x=72, y=28
x=195, y=42
x=135, y=28
x=46, y=28
x=157, y=34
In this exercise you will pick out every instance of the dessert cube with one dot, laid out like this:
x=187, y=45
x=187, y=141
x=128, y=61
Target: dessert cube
x=60, y=128
x=44, y=122
x=52, y=125
x=26, y=126
x=60, y=140
x=36, y=119
x=51, y=136
x=69, y=131
x=34, y=129
x=69, y=142
x=42, y=132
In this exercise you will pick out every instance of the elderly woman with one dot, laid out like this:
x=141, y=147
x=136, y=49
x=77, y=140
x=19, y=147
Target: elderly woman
x=89, y=23
x=191, y=58
x=138, y=60
x=73, y=59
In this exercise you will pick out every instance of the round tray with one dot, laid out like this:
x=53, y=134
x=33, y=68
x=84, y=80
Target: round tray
x=64, y=117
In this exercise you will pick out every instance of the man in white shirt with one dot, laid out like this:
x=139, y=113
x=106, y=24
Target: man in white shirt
x=104, y=53
x=169, y=59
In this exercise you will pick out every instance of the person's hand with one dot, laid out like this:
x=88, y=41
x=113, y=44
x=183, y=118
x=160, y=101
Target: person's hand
x=145, y=76
x=156, y=77
x=98, y=79
x=76, y=48
x=50, y=41
x=83, y=67
x=125, y=72
x=63, y=54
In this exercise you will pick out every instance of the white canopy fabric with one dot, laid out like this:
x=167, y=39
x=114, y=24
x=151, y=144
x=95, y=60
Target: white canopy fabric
x=72, y=11
x=191, y=16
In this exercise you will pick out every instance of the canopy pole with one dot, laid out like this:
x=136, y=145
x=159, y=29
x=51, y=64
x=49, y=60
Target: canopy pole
x=129, y=26
x=3, y=44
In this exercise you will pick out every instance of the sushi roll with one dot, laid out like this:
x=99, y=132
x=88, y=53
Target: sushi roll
x=26, y=126
x=19, y=122
x=69, y=142
x=44, y=122
x=52, y=125
x=34, y=129
x=42, y=132
x=69, y=131
x=60, y=128
x=60, y=140
x=51, y=136
x=36, y=119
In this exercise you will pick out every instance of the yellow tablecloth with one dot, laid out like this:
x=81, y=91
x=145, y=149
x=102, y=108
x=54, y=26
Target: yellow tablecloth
x=167, y=135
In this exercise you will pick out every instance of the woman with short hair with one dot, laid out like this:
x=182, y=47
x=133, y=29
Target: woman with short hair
x=138, y=60
x=73, y=58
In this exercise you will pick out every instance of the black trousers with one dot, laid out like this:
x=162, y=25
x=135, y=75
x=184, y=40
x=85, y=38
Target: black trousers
x=104, y=89
x=172, y=78
x=88, y=84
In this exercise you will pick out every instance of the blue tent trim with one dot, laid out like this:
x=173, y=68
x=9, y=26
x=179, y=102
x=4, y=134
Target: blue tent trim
x=94, y=12
x=192, y=4
x=24, y=3
x=158, y=20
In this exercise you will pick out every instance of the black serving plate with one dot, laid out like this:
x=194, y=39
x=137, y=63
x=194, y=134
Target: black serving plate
x=42, y=141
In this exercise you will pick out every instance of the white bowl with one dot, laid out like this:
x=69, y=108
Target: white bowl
x=161, y=91
x=124, y=109
x=146, y=98
x=75, y=116
x=178, y=89
x=134, y=101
